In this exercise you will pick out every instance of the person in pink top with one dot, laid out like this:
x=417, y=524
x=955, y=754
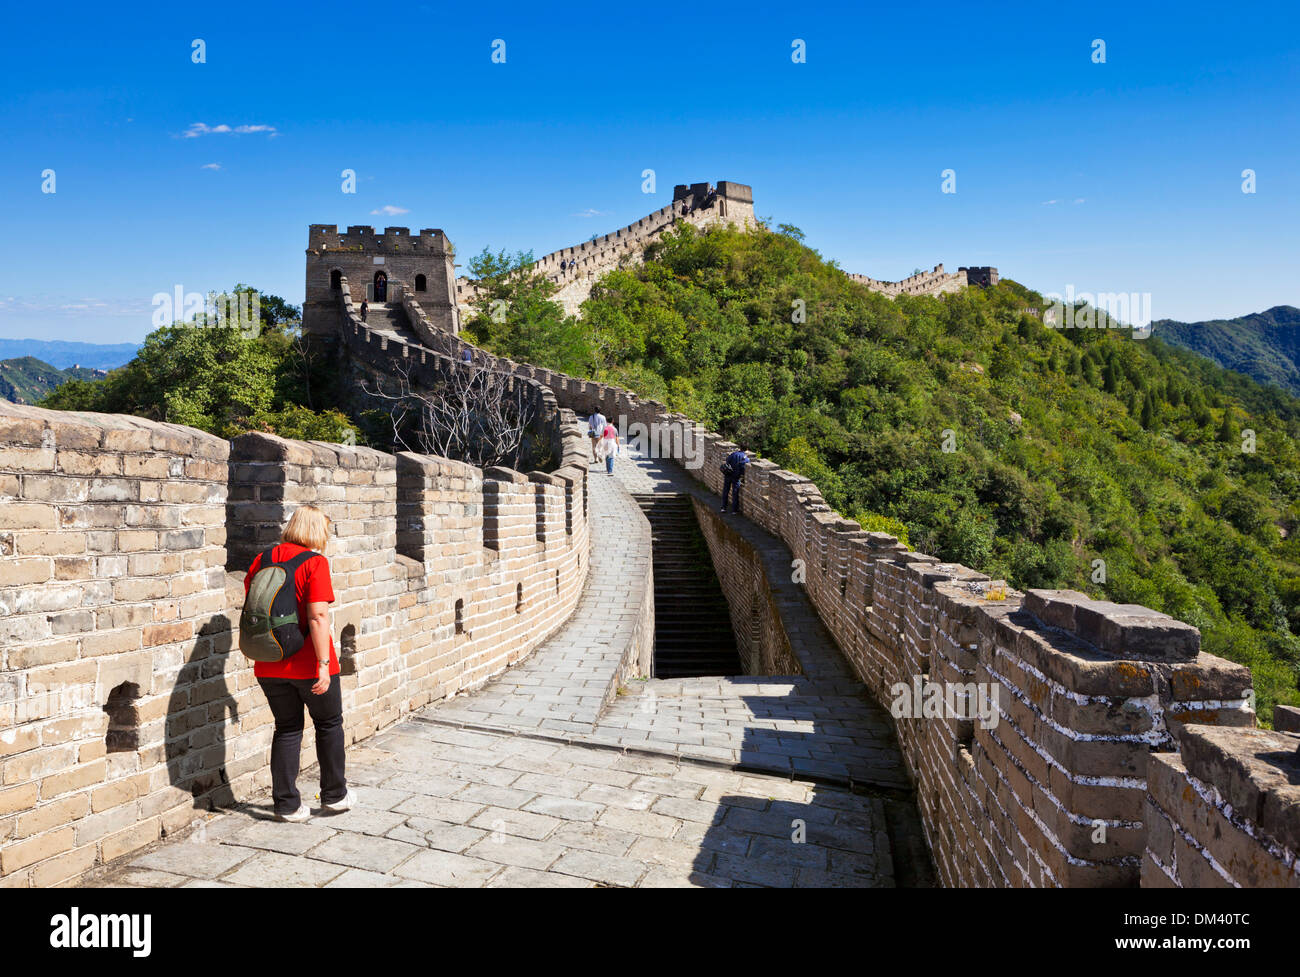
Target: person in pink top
x=607, y=447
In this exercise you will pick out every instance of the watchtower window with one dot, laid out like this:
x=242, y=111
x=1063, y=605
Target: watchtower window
x=123, y=719
x=336, y=279
x=460, y=617
x=420, y=283
x=519, y=597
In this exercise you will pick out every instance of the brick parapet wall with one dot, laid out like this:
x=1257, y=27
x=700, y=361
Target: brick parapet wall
x=1225, y=811
x=933, y=282
x=124, y=703
x=1055, y=792
x=732, y=203
x=761, y=637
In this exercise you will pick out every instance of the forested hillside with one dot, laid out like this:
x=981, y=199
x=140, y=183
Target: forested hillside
x=223, y=379
x=1265, y=345
x=25, y=379
x=1127, y=468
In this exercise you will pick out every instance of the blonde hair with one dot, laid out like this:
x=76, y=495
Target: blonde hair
x=308, y=527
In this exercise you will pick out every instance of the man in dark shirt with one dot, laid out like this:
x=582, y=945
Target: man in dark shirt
x=733, y=473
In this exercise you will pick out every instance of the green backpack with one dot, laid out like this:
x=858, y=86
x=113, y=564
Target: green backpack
x=268, y=624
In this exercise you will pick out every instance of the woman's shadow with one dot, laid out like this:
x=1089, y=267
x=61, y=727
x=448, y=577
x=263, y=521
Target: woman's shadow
x=195, y=732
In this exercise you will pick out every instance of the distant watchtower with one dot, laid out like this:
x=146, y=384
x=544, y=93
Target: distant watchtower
x=703, y=205
x=374, y=264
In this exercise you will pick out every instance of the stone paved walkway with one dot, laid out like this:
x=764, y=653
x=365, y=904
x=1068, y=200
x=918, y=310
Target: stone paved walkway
x=447, y=807
x=566, y=682
x=533, y=781
x=820, y=724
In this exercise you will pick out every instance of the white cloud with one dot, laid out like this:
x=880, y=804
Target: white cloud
x=210, y=166
x=197, y=129
x=591, y=212
x=46, y=305
x=1078, y=200
x=390, y=210
x=1049, y=203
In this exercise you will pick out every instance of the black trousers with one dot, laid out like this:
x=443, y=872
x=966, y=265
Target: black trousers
x=731, y=483
x=287, y=697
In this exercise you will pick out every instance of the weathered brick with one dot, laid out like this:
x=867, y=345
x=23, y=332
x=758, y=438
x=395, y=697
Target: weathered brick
x=20, y=854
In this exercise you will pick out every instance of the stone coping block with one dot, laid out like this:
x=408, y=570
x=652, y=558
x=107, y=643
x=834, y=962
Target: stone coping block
x=1256, y=771
x=22, y=424
x=930, y=574
x=256, y=446
x=1079, y=665
x=432, y=466
x=498, y=474
x=1128, y=631
x=1286, y=719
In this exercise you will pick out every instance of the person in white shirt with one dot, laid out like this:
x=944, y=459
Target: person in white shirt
x=595, y=428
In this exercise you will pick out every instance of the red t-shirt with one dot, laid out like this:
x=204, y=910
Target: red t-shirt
x=311, y=584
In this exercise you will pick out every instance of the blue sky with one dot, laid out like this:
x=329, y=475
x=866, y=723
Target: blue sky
x=1116, y=177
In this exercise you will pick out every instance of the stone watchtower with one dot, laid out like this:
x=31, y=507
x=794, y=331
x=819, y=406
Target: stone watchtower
x=374, y=264
x=704, y=205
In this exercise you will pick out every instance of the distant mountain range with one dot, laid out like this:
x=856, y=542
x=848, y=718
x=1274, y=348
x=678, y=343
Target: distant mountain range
x=63, y=354
x=1264, y=345
x=25, y=380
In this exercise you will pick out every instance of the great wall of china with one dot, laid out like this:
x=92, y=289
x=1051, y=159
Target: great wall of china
x=1122, y=754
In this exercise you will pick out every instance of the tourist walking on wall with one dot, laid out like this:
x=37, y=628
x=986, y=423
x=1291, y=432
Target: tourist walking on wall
x=365, y=307
x=607, y=447
x=310, y=676
x=595, y=428
x=733, y=474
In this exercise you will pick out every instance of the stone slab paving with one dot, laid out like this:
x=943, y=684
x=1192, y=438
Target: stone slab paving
x=821, y=724
x=563, y=685
x=784, y=725
x=446, y=807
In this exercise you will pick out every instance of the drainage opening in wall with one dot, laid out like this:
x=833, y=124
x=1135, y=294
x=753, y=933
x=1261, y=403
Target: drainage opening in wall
x=519, y=597
x=460, y=617
x=123, y=719
x=348, y=650
x=557, y=581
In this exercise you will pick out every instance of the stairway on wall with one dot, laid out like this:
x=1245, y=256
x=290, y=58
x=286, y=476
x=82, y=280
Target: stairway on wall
x=693, y=635
x=389, y=319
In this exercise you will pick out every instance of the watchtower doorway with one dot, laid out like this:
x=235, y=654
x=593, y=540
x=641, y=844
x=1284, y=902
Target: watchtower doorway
x=381, y=287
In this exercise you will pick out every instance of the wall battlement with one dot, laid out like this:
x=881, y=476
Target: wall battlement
x=125, y=707
x=362, y=237
x=699, y=204
x=933, y=282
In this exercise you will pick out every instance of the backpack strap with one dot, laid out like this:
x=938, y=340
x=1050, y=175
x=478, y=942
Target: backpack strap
x=266, y=559
x=290, y=565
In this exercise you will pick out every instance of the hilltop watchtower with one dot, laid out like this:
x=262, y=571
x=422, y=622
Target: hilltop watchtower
x=374, y=264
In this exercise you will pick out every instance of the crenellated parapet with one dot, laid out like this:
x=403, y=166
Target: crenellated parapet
x=933, y=282
x=126, y=708
x=575, y=269
x=362, y=237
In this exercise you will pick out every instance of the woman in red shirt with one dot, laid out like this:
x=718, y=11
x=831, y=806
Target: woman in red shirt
x=309, y=677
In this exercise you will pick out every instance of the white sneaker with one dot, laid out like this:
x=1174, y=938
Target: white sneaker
x=302, y=814
x=345, y=804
